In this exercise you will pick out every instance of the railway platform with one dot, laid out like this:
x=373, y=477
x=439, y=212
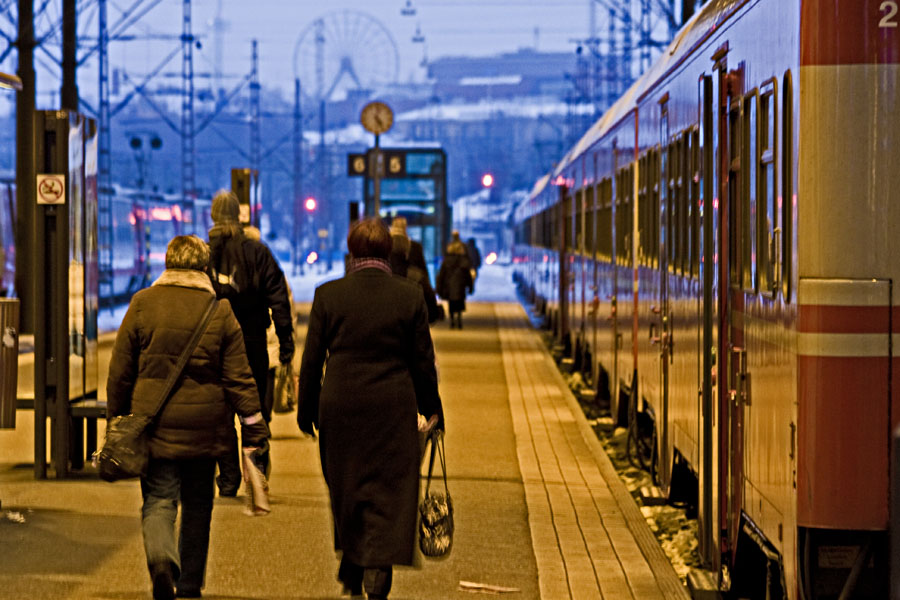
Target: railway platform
x=539, y=510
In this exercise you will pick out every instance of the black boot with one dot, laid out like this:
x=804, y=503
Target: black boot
x=163, y=581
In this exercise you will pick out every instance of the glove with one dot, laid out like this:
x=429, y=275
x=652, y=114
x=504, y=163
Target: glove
x=285, y=344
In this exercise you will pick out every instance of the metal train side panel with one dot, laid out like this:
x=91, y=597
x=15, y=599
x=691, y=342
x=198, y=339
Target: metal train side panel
x=849, y=260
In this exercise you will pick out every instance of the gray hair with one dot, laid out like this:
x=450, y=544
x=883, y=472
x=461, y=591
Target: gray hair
x=187, y=252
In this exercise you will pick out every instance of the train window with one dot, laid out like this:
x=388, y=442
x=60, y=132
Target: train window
x=735, y=146
x=643, y=207
x=682, y=204
x=624, y=216
x=749, y=207
x=628, y=217
x=694, y=203
x=671, y=205
x=787, y=183
x=590, y=218
x=604, y=220
x=768, y=210
x=578, y=237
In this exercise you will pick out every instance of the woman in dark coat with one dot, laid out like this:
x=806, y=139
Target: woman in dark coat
x=454, y=279
x=196, y=423
x=369, y=331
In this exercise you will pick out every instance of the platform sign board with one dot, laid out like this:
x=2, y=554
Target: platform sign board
x=393, y=164
x=356, y=164
x=51, y=188
x=413, y=184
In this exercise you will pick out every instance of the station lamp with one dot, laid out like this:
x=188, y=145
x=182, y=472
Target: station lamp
x=309, y=204
x=487, y=180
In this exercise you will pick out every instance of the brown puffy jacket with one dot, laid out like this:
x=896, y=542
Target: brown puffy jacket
x=198, y=419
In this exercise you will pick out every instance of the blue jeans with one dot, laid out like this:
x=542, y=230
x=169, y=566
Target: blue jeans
x=190, y=481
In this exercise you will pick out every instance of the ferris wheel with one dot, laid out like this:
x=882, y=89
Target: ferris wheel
x=344, y=50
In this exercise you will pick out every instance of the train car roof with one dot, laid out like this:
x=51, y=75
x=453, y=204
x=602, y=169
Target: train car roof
x=703, y=24
x=539, y=186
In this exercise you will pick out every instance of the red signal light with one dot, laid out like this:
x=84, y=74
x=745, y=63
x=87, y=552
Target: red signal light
x=310, y=204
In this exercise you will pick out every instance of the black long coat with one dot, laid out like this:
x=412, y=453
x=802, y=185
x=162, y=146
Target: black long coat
x=370, y=332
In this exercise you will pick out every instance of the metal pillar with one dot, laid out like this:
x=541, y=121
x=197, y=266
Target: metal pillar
x=254, y=124
x=69, y=91
x=188, y=164
x=645, y=35
x=104, y=157
x=25, y=168
x=320, y=95
x=627, y=50
x=612, y=68
x=298, y=180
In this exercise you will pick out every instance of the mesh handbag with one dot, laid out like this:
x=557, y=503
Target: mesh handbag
x=436, y=508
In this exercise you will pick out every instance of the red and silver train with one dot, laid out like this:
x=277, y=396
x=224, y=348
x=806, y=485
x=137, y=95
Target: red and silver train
x=143, y=223
x=718, y=252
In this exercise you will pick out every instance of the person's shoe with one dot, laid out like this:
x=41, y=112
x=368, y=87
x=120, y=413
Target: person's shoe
x=353, y=592
x=188, y=593
x=228, y=493
x=163, y=581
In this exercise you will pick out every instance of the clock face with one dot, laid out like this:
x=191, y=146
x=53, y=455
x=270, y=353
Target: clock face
x=377, y=117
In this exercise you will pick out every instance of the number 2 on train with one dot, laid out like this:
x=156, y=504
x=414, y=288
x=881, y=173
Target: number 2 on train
x=889, y=7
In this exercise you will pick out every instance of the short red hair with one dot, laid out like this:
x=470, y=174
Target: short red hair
x=369, y=238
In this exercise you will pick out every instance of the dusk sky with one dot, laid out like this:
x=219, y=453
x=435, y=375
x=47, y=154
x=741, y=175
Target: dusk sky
x=450, y=28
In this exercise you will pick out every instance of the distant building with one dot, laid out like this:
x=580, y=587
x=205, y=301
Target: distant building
x=526, y=72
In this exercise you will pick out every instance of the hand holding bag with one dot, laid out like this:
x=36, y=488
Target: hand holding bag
x=126, y=451
x=285, y=394
x=436, y=508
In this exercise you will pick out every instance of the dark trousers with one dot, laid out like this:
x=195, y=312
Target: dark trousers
x=168, y=483
x=376, y=580
x=229, y=479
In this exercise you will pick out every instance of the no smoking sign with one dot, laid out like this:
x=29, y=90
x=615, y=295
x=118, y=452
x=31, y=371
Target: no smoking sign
x=51, y=189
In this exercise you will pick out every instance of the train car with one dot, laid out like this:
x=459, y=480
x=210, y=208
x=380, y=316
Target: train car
x=725, y=235
x=143, y=225
x=7, y=237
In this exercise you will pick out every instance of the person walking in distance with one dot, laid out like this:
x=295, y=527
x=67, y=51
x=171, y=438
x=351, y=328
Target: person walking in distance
x=370, y=332
x=244, y=272
x=196, y=425
x=408, y=260
x=454, y=279
x=474, y=257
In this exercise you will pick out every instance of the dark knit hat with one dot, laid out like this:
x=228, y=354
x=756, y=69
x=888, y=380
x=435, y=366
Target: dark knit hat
x=225, y=208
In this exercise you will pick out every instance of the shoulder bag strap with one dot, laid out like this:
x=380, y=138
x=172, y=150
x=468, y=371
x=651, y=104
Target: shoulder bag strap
x=185, y=356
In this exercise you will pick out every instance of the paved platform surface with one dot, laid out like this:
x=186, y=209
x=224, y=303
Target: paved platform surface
x=538, y=506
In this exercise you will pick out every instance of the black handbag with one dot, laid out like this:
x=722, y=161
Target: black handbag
x=436, y=508
x=126, y=450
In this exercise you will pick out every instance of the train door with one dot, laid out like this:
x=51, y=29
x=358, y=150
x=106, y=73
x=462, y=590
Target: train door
x=661, y=313
x=564, y=230
x=733, y=260
x=707, y=245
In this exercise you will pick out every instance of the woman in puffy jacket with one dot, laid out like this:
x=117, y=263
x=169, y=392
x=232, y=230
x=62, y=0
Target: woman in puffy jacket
x=196, y=422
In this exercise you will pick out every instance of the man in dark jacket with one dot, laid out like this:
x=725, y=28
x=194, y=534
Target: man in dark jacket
x=196, y=425
x=244, y=271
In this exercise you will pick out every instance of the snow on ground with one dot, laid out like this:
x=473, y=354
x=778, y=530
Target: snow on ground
x=494, y=284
